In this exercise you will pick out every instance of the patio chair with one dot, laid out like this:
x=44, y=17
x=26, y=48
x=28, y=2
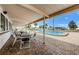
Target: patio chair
x=33, y=36
x=15, y=35
x=25, y=42
x=15, y=38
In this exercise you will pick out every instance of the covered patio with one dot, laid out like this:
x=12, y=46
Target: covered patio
x=24, y=14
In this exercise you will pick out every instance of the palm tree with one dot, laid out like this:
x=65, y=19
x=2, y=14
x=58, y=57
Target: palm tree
x=35, y=25
x=41, y=26
x=28, y=26
x=50, y=27
x=45, y=26
x=72, y=25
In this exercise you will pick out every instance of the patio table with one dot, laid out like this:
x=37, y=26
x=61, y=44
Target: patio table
x=24, y=39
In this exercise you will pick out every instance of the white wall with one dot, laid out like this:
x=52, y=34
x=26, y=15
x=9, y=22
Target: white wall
x=3, y=38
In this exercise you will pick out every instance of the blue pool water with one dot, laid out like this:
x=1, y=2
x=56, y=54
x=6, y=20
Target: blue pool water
x=55, y=33
x=51, y=32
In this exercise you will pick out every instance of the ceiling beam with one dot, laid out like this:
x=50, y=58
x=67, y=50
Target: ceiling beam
x=34, y=9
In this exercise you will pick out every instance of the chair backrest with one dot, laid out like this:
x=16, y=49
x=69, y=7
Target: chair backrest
x=25, y=39
x=33, y=35
x=14, y=35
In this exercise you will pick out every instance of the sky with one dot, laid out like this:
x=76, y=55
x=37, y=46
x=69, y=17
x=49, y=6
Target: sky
x=63, y=19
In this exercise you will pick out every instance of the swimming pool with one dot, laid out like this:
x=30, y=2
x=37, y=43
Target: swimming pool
x=51, y=32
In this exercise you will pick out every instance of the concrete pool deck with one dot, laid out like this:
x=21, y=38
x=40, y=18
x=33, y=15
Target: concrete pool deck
x=72, y=38
x=68, y=45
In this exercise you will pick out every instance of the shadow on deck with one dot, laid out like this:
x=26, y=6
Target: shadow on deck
x=36, y=49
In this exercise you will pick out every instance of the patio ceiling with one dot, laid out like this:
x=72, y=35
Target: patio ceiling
x=28, y=13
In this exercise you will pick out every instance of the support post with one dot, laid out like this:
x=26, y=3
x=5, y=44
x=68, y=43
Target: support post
x=44, y=31
x=53, y=24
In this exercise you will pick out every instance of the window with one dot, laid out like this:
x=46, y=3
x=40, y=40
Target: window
x=2, y=22
x=5, y=25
